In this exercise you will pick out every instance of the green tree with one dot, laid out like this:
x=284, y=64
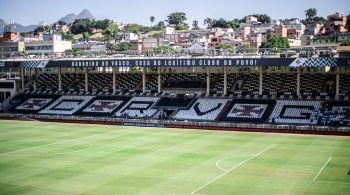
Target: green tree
x=152, y=19
x=81, y=26
x=86, y=35
x=42, y=29
x=124, y=46
x=276, y=42
x=102, y=24
x=68, y=36
x=134, y=28
x=223, y=46
x=182, y=27
x=111, y=31
x=195, y=25
x=311, y=13
x=161, y=49
x=177, y=19
x=61, y=23
x=220, y=23
x=159, y=26
x=234, y=23
x=208, y=22
x=316, y=19
x=263, y=18
x=345, y=43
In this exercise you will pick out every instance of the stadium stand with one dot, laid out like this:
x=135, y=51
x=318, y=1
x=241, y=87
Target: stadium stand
x=344, y=84
x=96, y=82
x=182, y=80
x=138, y=107
x=248, y=83
x=315, y=84
x=278, y=103
x=177, y=102
x=24, y=103
x=254, y=111
x=336, y=113
x=296, y=112
x=279, y=84
x=66, y=105
x=219, y=85
x=103, y=106
x=203, y=109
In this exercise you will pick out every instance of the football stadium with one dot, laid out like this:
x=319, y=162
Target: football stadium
x=243, y=106
x=176, y=125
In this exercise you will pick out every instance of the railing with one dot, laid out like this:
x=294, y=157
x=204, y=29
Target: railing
x=241, y=53
x=155, y=122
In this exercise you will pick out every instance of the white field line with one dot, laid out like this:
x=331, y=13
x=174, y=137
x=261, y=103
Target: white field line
x=238, y=165
x=25, y=149
x=320, y=171
x=217, y=164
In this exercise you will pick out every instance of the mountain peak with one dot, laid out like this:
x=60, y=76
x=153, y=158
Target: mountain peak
x=69, y=18
x=85, y=14
x=85, y=10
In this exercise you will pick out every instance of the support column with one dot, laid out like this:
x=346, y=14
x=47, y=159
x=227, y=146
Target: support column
x=30, y=74
x=86, y=80
x=22, y=78
x=114, y=80
x=260, y=80
x=225, y=80
x=59, y=79
x=144, y=80
x=35, y=77
x=208, y=80
x=337, y=83
x=159, y=81
x=298, y=81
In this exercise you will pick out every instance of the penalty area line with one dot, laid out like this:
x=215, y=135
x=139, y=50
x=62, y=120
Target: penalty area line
x=229, y=170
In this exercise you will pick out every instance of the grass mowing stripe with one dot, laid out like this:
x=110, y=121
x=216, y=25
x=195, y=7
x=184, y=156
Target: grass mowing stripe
x=25, y=149
x=319, y=172
x=168, y=161
x=238, y=165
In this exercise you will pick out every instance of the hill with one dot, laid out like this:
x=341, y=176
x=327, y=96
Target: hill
x=69, y=18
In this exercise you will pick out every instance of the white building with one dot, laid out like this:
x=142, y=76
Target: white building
x=251, y=19
x=169, y=30
x=197, y=47
x=294, y=42
x=51, y=44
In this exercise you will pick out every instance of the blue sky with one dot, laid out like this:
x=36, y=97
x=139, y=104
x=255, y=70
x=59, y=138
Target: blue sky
x=33, y=11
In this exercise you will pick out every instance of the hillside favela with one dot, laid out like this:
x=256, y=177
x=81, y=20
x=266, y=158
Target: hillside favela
x=214, y=98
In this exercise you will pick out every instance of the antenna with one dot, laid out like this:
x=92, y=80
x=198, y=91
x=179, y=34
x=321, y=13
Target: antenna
x=9, y=26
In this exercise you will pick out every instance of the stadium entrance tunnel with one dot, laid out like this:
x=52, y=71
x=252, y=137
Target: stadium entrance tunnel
x=43, y=147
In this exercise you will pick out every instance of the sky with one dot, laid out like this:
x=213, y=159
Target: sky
x=28, y=12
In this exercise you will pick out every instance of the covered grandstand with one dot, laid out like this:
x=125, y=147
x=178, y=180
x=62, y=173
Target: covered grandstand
x=302, y=93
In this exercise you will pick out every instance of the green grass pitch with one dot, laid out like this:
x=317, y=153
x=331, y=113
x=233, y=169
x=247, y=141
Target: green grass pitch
x=57, y=158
